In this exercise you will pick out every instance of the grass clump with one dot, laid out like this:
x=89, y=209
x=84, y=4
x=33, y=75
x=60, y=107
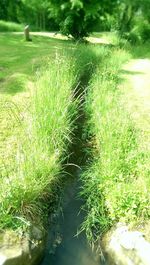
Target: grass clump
x=6, y=26
x=113, y=186
x=45, y=135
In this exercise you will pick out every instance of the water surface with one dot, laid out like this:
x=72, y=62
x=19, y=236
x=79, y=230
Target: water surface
x=74, y=250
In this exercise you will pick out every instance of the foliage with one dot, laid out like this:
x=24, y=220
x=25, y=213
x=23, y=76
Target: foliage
x=10, y=26
x=32, y=12
x=40, y=10
x=78, y=17
x=134, y=19
x=9, y=10
x=117, y=166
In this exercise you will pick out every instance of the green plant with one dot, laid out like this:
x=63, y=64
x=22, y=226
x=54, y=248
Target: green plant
x=43, y=141
x=109, y=183
x=6, y=26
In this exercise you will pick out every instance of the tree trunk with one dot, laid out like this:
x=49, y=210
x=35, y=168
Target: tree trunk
x=44, y=20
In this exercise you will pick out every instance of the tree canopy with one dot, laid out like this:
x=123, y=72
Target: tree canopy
x=76, y=17
x=79, y=17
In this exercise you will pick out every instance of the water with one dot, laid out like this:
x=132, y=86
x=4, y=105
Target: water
x=73, y=250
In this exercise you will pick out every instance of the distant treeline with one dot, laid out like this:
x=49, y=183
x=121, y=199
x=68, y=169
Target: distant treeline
x=33, y=12
x=80, y=17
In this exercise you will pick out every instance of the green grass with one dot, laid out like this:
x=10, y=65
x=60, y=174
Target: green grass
x=37, y=112
x=115, y=186
x=6, y=26
x=45, y=134
x=20, y=57
x=37, y=116
x=19, y=62
x=141, y=51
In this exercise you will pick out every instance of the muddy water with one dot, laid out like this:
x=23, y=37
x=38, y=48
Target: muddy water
x=73, y=250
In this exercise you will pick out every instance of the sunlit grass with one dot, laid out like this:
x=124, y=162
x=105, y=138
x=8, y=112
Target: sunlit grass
x=44, y=135
x=38, y=109
x=115, y=186
x=34, y=134
x=19, y=62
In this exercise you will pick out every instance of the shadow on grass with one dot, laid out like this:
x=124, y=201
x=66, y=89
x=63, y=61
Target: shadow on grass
x=127, y=72
x=123, y=75
x=13, y=85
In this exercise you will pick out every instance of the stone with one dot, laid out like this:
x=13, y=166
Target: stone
x=124, y=247
x=22, y=250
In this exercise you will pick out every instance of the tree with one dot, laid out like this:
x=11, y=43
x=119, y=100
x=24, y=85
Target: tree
x=3, y=9
x=129, y=9
x=39, y=10
x=9, y=9
x=78, y=17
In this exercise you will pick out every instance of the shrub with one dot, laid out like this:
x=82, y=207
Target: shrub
x=6, y=26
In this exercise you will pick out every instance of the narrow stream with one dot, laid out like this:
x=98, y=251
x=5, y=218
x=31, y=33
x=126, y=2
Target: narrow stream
x=73, y=249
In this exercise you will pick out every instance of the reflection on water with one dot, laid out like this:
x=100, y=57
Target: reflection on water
x=74, y=250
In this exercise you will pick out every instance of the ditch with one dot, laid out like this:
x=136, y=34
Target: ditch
x=72, y=247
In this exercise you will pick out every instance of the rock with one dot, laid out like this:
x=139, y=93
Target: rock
x=22, y=250
x=124, y=247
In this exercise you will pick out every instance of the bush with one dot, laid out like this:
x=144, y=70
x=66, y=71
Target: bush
x=132, y=37
x=140, y=32
x=145, y=31
x=6, y=26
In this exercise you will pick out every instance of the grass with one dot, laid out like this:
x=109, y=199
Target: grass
x=115, y=186
x=41, y=93
x=141, y=51
x=23, y=58
x=7, y=26
x=46, y=131
x=19, y=62
x=37, y=110
x=37, y=116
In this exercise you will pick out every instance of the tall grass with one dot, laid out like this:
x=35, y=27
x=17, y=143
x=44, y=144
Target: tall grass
x=6, y=26
x=113, y=186
x=46, y=133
